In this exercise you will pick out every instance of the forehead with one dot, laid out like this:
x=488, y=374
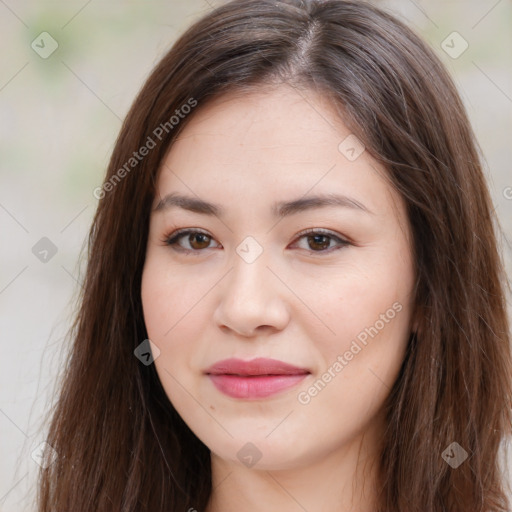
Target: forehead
x=274, y=142
x=281, y=120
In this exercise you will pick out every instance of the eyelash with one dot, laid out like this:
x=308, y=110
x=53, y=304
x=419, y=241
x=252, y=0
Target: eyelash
x=172, y=239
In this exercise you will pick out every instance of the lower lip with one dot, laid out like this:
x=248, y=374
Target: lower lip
x=237, y=386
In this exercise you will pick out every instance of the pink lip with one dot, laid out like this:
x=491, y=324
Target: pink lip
x=257, y=378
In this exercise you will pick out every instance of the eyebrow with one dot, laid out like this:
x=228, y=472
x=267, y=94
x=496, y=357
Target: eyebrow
x=279, y=209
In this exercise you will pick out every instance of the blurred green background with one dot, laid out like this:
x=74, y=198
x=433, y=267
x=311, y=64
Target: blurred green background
x=59, y=117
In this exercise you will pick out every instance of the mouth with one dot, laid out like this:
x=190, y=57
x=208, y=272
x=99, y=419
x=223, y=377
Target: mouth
x=258, y=378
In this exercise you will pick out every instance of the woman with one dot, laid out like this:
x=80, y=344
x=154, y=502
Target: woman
x=294, y=298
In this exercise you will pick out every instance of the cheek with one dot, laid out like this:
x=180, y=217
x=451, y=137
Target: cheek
x=360, y=363
x=165, y=317
x=355, y=301
x=168, y=301
x=157, y=304
x=174, y=313
x=368, y=309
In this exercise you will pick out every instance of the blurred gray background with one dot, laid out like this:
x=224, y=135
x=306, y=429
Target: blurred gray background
x=69, y=71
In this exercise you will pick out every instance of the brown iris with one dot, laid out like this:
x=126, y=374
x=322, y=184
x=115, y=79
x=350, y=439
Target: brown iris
x=203, y=241
x=316, y=241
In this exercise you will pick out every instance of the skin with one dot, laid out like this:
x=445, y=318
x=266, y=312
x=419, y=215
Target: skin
x=292, y=303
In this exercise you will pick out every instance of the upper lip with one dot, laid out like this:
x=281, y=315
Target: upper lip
x=258, y=366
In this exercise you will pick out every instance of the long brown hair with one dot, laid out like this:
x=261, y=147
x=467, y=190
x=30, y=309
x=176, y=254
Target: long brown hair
x=121, y=445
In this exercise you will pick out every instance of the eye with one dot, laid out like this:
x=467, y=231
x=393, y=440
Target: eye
x=318, y=240
x=195, y=239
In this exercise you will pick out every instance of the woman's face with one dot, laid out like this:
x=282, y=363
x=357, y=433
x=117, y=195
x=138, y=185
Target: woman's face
x=276, y=268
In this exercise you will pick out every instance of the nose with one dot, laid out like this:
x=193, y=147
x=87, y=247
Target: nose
x=251, y=299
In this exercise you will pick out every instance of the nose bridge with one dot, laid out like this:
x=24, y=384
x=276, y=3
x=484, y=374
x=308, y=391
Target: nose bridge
x=250, y=276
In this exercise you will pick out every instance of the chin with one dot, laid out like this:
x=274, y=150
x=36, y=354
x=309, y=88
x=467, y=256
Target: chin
x=260, y=453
